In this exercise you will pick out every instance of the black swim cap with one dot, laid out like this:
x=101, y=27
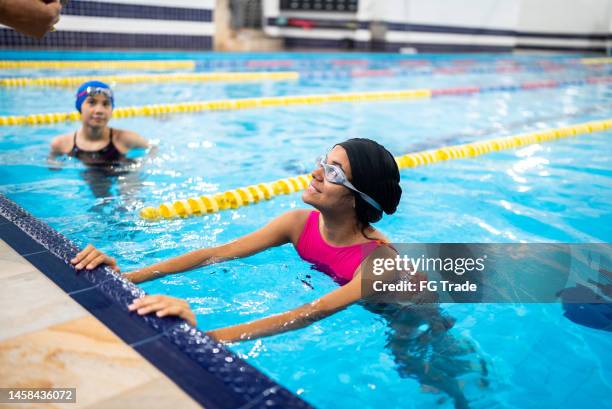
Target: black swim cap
x=375, y=173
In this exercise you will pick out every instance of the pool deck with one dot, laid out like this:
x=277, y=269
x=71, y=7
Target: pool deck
x=47, y=340
x=63, y=329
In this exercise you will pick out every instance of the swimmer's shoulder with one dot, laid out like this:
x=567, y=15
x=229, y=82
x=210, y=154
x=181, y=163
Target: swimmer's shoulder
x=294, y=221
x=62, y=144
x=299, y=215
x=126, y=140
x=296, y=217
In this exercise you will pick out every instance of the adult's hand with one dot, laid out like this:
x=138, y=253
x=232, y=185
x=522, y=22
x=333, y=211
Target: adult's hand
x=34, y=18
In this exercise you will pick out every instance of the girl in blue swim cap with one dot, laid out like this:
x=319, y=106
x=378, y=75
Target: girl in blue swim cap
x=95, y=143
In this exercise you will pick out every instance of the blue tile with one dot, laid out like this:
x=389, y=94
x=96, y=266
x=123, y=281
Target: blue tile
x=204, y=368
x=47, y=237
x=62, y=275
x=18, y=240
x=202, y=385
x=128, y=326
x=276, y=398
x=4, y=220
x=107, y=40
x=123, y=293
x=236, y=374
x=10, y=210
x=102, y=9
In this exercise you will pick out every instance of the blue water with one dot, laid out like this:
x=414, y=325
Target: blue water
x=559, y=192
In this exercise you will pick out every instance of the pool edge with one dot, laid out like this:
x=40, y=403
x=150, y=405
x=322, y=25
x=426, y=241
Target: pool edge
x=207, y=371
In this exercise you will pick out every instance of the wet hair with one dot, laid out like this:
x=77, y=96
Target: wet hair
x=375, y=173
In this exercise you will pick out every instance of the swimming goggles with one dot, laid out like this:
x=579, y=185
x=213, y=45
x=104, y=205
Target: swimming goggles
x=95, y=91
x=334, y=174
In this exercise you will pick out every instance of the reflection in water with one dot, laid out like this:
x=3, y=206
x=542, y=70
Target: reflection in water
x=590, y=304
x=101, y=180
x=425, y=349
x=454, y=138
x=109, y=183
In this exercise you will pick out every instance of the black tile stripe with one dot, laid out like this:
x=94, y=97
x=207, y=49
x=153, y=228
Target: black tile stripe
x=444, y=29
x=336, y=6
x=546, y=47
x=444, y=48
x=211, y=374
x=139, y=11
x=77, y=39
x=426, y=28
x=350, y=44
x=469, y=48
x=298, y=42
x=569, y=36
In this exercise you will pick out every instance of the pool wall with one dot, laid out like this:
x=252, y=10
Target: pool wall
x=159, y=24
x=442, y=25
x=211, y=374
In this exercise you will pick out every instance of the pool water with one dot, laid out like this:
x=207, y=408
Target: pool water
x=495, y=355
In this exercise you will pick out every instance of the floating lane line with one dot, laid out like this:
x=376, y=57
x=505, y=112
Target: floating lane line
x=99, y=65
x=249, y=103
x=235, y=198
x=155, y=78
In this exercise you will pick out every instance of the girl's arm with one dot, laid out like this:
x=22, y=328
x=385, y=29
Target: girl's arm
x=279, y=231
x=300, y=317
x=307, y=314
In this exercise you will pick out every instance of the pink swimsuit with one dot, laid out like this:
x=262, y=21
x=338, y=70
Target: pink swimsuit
x=338, y=262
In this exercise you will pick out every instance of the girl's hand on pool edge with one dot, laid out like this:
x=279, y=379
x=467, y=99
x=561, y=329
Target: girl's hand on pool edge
x=162, y=306
x=90, y=258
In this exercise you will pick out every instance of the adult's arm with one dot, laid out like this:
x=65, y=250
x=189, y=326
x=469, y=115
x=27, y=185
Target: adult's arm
x=33, y=18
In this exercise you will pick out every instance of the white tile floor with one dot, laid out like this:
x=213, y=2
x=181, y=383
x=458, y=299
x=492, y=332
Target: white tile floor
x=49, y=340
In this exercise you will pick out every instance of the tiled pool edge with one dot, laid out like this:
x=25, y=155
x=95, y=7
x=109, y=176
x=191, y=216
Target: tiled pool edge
x=207, y=371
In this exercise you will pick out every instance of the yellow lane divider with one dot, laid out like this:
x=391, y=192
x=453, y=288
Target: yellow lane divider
x=603, y=60
x=100, y=65
x=498, y=144
x=235, y=198
x=130, y=79
x=149, y=64
x=231, y=199
x=226, y=104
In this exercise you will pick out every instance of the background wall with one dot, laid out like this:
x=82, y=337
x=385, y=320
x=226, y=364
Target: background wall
x=378, y=25
x=448, y=25
x=173, y=24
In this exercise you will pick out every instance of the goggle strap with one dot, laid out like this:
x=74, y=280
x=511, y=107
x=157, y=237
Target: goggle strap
x=348, y=184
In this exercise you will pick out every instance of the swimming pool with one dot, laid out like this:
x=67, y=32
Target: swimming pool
x=555, y=192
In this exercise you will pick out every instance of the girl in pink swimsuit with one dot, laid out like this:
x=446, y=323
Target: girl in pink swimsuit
x=352, y=186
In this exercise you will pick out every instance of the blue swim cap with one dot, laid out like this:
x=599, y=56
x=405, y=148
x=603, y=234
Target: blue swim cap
x=92, y=88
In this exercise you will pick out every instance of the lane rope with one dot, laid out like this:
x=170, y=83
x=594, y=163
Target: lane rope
x=344, y=71
x=132, y=79
x=249, y=103
x=226, y=104
x=99, y=65
x=235, y=198
x=271, y=63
